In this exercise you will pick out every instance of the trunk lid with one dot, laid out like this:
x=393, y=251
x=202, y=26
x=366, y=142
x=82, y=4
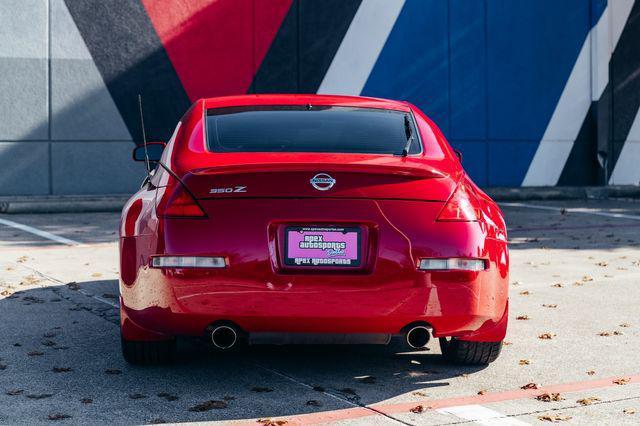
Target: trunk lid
x=321, y=176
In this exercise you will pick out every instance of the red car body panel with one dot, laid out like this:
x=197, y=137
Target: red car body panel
x=394, y=200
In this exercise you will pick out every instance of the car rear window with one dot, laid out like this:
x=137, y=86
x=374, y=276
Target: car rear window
x=309, y=128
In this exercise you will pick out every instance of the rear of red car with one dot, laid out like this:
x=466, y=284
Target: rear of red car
x=315, y=215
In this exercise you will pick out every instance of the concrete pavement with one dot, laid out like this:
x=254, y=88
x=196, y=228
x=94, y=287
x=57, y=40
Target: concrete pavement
x=575, y=277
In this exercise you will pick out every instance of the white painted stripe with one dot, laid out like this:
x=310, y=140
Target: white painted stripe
x=81, y=104
x=481, y=415
x=572, y=107
x=587, y=81
x=600, y=55
x=620, y=11
x=361, y=47
x=627, y=170
x=573, y=210
x=547, y=163
x=40, y=233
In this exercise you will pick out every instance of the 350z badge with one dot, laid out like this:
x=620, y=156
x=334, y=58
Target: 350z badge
x=238, y=188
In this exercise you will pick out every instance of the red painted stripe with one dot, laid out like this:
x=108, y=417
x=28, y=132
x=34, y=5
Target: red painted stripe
x=506, y=395
x=216, y=46
x=404, y=407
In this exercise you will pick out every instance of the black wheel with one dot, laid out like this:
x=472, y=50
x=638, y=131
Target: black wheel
x=148, y=353
x=469, y=353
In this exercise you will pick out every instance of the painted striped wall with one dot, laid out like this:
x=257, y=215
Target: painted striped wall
x=533, y=92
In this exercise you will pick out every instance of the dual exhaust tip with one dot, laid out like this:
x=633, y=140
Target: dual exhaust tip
x=225, y=337
x=418, y=336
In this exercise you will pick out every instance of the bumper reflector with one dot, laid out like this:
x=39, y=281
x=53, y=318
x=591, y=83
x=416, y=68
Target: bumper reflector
x=452, y=264
x=188, y=262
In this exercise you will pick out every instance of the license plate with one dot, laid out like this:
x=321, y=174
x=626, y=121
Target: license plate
x=322, y=246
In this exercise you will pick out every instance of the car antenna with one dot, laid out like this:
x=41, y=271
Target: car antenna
x=144, y=137
x=409, y=132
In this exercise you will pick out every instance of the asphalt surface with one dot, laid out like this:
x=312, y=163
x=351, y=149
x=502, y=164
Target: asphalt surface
x=575, y=277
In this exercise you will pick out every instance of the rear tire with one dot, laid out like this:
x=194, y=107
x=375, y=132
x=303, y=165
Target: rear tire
x=140, y=352
x=469, y=353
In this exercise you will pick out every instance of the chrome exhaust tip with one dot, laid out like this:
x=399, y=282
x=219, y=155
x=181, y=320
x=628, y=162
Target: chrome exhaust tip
x=418, y=337
x=224, y=337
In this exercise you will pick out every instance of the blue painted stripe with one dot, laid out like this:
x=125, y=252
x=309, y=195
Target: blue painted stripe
x=488, y=71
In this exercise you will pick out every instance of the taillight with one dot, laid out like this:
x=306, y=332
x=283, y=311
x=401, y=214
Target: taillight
x=463, y=206
x=178, y=202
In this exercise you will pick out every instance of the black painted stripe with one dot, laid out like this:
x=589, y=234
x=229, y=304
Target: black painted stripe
x=278, y=72
x=624, y=77
x=581, y=168
x=304, y=46
x=612, y=115
x=132, y=60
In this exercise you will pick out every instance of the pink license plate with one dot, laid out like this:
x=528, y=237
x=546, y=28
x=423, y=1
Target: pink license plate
x=322, y=246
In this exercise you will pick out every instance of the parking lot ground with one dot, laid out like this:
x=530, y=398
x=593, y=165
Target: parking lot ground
x=575, y=279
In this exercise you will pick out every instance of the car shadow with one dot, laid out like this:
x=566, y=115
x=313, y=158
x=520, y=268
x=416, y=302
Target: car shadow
x=63, y=341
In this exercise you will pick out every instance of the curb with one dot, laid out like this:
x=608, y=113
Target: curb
x=62, y=204
x=563, y=192
x=114, y=203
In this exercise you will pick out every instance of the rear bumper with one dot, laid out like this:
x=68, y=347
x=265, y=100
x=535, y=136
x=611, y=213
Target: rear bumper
x=471, y=306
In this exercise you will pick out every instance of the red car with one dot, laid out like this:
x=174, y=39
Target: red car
x=310, y=218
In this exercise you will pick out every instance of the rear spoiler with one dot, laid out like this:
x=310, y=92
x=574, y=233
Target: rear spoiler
x=419, y=171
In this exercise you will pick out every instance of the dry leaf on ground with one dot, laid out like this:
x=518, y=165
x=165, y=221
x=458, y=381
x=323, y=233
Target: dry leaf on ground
x=261, y=389
x=588, y=401
x=529, y=386
x=367, y=379
x=548, y=397
x=39, y=395
x=209, y=405
x=168, y=396
x=58, y=416
x=555, y=418
x=269, y=422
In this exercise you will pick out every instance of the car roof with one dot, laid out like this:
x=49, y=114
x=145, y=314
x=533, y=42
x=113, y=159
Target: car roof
x=289, y=99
